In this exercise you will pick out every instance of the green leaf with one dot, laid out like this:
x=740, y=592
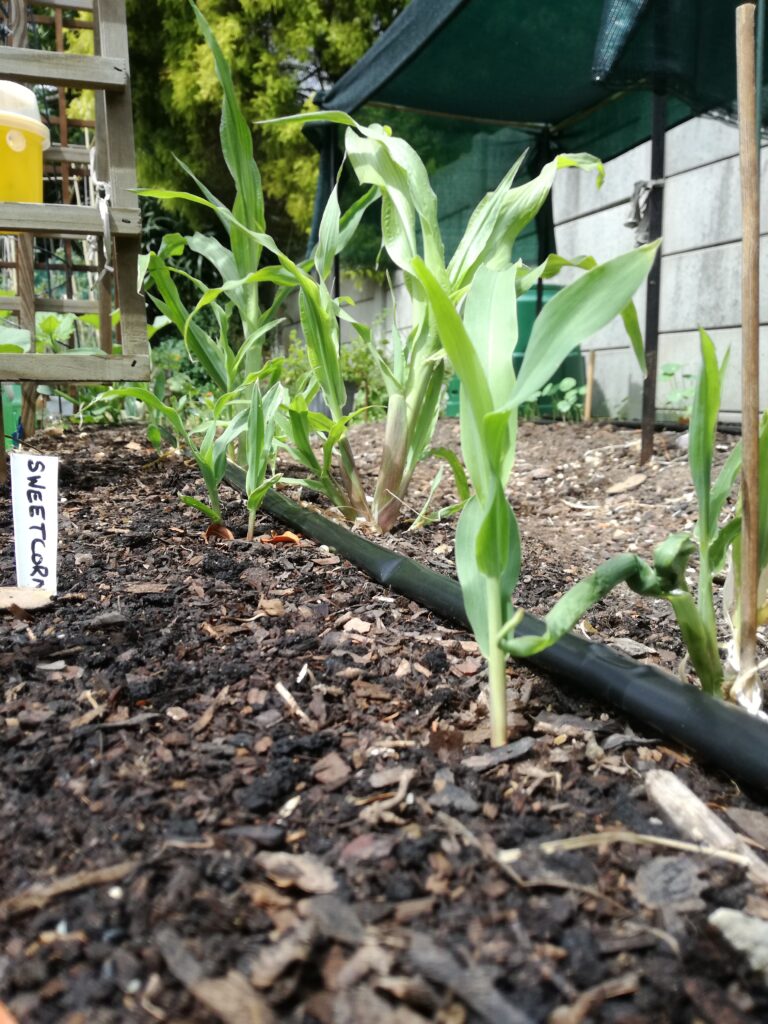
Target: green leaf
x=473, y=582
x=763, y=495
x=459, y=476
x=212, y=514
x=493, y=535
x=391, y=164
x=480, y=228
x=670, y=561
x=578, y=600
x=457, y=344
x=423, y=411
x=704, y=412
x=576, y=313
x=725, y=536
x=328, y=235
x=490, y=317
x=236, y=138
x=635, y=335
x=492, y=237
x=150, y=399
x=724, y=483
x=257, y=496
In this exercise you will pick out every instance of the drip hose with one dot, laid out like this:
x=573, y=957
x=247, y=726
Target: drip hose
x=719, y=733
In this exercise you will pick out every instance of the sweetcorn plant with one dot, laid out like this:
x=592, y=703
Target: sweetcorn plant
x=414, y=369
x=714, y=543
x=230, y=346
x=479, y=343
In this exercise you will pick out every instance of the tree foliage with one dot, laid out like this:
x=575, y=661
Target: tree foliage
x=281, y=53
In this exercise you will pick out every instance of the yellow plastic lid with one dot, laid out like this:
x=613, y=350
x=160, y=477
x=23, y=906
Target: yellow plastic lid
x=18, y=109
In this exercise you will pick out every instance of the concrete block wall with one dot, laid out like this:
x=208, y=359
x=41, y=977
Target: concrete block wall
x=701, y=257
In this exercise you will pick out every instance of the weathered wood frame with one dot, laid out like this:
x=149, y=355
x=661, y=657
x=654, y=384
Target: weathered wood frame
x=108, y=75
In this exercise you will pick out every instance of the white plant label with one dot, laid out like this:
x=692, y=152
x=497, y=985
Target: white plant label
x=35, y=494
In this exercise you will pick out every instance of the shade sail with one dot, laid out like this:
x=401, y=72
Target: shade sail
x=470, y=83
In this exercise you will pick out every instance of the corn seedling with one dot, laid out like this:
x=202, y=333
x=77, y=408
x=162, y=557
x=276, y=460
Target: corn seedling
x=414, y=370
x=210, y=452
x=260, y=449
x=714, y=541
x=480, y=345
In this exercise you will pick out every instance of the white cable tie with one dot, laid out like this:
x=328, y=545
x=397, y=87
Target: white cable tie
x=103, y=204
x=103, y=192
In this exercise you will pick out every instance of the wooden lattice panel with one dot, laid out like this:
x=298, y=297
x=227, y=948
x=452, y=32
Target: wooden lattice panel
x=107, y=73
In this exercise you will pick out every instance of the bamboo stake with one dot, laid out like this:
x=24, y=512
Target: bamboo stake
x=25, y=254
x=750, y=318
x=3, y=450
x=589, y=393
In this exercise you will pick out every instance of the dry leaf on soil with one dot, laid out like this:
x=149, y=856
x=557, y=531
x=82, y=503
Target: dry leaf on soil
x=25, y=599
x=356, y=625
x=145, y=588
x=332, y=770
x=219, y=532
x=281, y=538
x=273, y=606
x=630, y=484
x=302, y=870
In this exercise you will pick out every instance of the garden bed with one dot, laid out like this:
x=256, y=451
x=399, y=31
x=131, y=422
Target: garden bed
x=186, y=714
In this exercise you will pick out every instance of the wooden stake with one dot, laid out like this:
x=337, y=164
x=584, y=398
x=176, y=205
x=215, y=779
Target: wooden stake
x=25, y=258
x=590, y=387
x=750, y=327
x=3, y=453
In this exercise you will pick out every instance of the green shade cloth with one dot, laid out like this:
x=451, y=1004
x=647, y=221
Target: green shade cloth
x=471, y=83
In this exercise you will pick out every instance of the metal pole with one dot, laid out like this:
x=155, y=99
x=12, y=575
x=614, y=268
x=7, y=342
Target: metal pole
x=750, y=329
x=653, y=290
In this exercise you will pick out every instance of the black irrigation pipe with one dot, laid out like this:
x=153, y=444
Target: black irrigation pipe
x=717, y=732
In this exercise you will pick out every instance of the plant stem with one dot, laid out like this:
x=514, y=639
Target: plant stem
x=497, y=666
x=706, y=603
x=352, y=485
x=700, y=642
x=251, y=524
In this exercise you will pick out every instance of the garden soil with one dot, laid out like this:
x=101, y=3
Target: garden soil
x=241, y=783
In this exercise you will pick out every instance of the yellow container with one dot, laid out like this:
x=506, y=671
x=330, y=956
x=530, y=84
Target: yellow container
x=23, y=137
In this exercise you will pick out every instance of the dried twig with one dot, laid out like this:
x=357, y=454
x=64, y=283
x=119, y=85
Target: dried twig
x=40, y=894
x=611, y=836
x=690, y=816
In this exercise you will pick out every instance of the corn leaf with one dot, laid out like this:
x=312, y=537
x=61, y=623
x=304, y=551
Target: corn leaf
x=576, y=313
x=457, y=343
x=473, y=582
x=706, y=405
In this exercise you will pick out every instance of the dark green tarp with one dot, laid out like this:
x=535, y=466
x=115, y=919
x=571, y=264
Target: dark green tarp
x=471, y=83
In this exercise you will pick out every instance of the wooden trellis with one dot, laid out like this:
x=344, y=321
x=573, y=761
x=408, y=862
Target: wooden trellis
x=115, y=220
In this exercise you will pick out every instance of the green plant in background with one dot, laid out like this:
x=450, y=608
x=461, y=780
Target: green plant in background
x=564, y=397
x=229, y=346
x=226, y=330
x=358, y=367
x=280, y=53
x=714, y=540
x=12, y=339
x=480, y=344
x=678, y=387
x=260, y=453
x=216, y=434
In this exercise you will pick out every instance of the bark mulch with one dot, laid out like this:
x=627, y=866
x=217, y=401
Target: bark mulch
x=241, y=783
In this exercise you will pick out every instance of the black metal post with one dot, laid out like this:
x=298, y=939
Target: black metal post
x=653, y=290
